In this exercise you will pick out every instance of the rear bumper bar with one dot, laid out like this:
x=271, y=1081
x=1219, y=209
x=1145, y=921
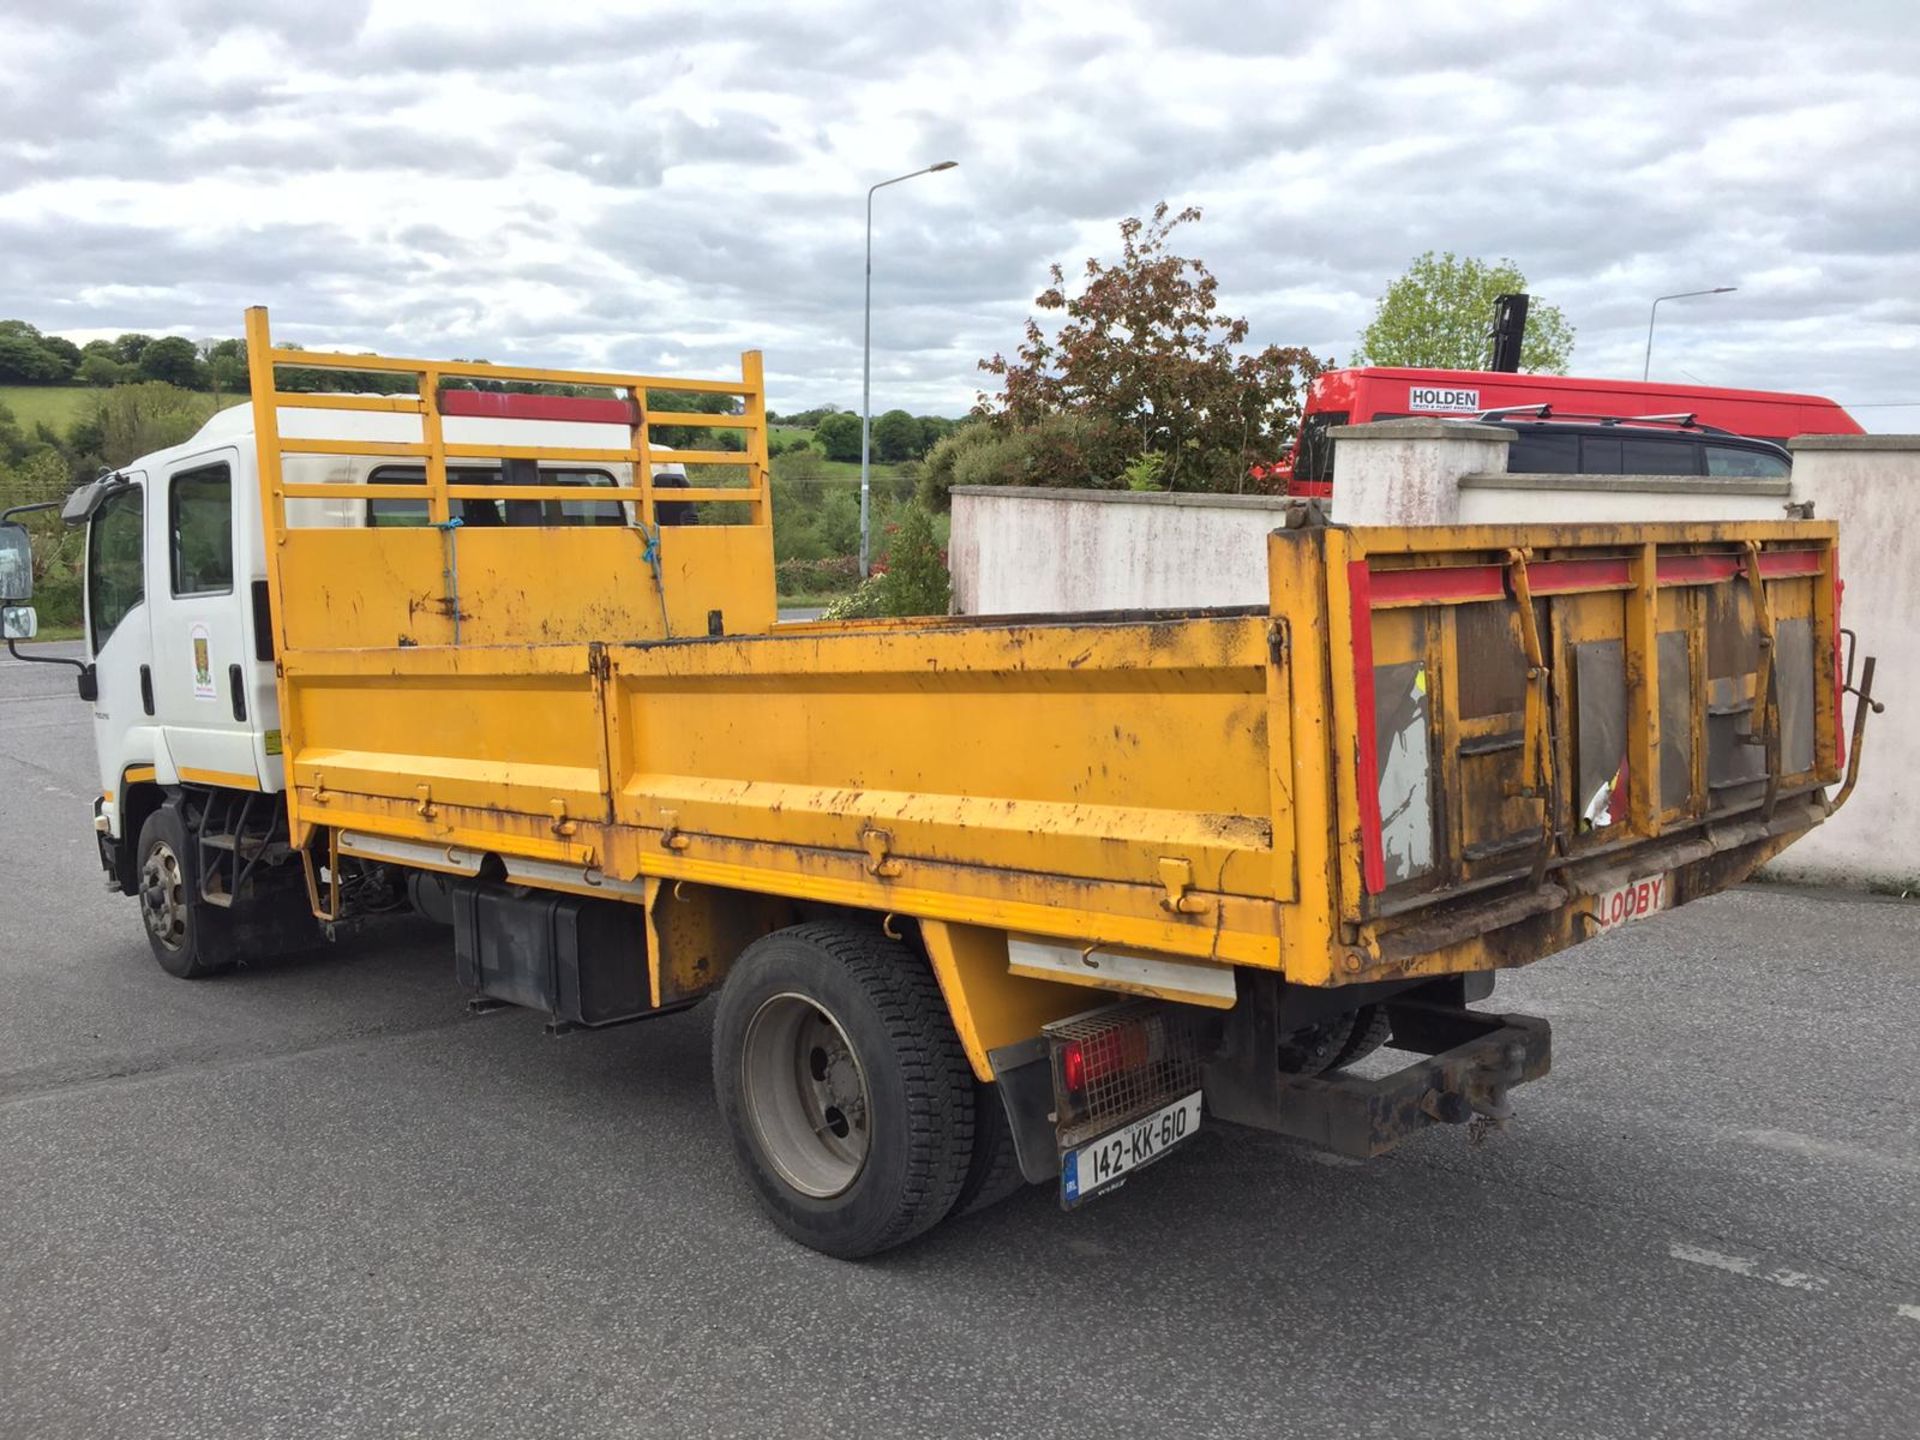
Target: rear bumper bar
x=1472, y=1061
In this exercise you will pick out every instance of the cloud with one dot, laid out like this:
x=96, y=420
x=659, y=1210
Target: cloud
x=615, y=184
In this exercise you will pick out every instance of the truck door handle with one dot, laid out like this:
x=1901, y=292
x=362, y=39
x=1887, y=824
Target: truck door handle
x=146, y=688
x=237, y=688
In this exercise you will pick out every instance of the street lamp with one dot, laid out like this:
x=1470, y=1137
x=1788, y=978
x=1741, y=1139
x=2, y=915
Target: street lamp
x=1646, y=368
x=866, y=361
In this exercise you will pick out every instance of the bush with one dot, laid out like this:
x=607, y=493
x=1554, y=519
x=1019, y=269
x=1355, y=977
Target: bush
x=56, y=596
x=953, y=461
x=134, y=420
x=916, y=581
x=831, y=575
x=1068, y=449
x=865, y=603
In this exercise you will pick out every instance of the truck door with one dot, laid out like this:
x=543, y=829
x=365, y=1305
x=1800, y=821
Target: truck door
x=202, y=663
x=118, y=637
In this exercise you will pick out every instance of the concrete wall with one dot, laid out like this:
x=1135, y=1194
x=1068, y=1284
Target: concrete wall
x=1549, y=499
x=1018, y=551
x=1407, y=472
x=1871, y=485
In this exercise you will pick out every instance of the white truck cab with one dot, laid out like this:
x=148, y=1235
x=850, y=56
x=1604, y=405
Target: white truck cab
x=179, y=642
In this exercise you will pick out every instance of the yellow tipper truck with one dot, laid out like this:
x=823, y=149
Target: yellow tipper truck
x=979, y=901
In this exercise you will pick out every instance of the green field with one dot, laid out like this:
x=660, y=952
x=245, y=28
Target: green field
x=58, y=405
x=847, y=472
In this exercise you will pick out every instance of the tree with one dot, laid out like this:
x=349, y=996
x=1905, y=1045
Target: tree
x=174, y=360
x=1440, y=315
x=127, y=348
x=1143, y=363
x=686, y=437
x=63, y=348
x=839, y=435
x=25, y=361
x=226, y=362
x=100, y=369
x=896, y=437
x=933, y=429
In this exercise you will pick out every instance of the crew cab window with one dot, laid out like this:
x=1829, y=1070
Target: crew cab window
x=1753, y=464
x=116, y=576
x=1659, y=455
x=382, y=513
x=200, y=531
x=1599, y=454
x=1543, y=452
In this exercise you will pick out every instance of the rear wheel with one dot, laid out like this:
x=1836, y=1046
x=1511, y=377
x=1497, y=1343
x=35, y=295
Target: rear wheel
x=187, y=940
x=850, y=1102
x=1371, y=1029
x=1335, y=1042
x=993, y=1174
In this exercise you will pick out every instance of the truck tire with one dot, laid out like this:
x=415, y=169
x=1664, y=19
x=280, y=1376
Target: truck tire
x=187, y=937
x=848, y=1098
x=1327, y=1046
x=993, y=1174
x=1371, y=1027
x=1313, y=1048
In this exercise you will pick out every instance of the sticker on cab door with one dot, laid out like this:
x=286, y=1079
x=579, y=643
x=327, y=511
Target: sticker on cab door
x=202, y=663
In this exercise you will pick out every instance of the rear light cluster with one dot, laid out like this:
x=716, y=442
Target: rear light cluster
x=1106, y=1057
x=1124, y=1060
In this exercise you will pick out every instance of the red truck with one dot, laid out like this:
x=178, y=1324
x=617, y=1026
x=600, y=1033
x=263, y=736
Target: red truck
x=1354, y=396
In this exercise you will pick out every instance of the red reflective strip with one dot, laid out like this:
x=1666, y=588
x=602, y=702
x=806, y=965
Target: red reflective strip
x=1436, y=585
x=1706, y=569
x=494, y=405
x=1373, y=860
x=1562, y=577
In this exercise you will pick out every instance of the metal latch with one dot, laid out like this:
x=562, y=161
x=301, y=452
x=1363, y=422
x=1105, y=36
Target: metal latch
x=561, y=824
x=1177, y=876
x=880, y=860
x=671, y=837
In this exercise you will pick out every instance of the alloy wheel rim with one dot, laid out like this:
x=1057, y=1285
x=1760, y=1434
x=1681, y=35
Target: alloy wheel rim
x=806, y=1095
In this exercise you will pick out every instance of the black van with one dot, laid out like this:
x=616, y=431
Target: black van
x=1603, y=447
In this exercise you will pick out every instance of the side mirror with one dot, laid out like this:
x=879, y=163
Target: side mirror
x=18, y=622
x=16, y=563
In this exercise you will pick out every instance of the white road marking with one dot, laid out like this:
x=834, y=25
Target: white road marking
x=1333, y=1161
x=1912, y=1312
x=1744, y=1265
x=1814, y=1148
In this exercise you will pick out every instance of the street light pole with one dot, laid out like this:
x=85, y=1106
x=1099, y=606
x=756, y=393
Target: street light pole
x=1646, y=368
x=866, y=364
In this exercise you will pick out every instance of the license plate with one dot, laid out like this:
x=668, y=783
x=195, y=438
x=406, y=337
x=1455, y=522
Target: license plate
x=1102, y=1164
x=1633, y=901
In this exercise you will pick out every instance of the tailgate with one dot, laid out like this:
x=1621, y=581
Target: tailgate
x=1521, y=720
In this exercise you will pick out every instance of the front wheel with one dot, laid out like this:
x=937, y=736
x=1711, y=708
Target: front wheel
x=849, y=1099
x=185, y=937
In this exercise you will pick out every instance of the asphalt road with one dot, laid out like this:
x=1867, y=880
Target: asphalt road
x=317, y=1198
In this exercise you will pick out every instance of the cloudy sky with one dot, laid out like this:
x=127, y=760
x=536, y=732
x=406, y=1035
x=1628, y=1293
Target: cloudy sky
x=660, y=186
